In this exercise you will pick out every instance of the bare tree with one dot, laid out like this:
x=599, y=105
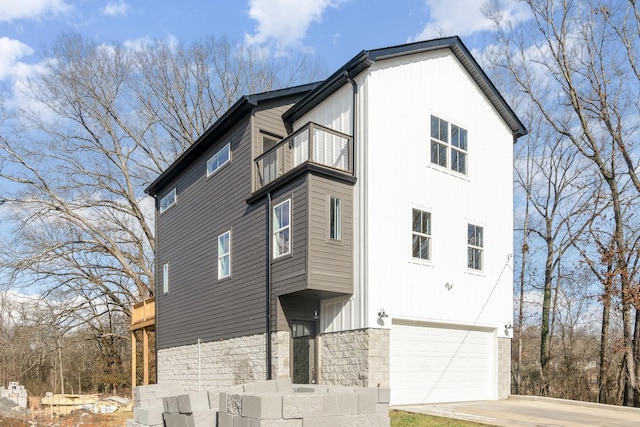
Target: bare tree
x=103, y=122
x=576, y=62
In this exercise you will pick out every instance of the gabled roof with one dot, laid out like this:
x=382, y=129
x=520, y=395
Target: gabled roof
x=229, y=119
x=366, y=58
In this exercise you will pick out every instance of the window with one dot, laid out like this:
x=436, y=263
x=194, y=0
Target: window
x=335, y=218
x=474, y=247
x=282, y=229
x=167, y=201
x=448, y=152
x=224, y=255
x=421, y=234
x=165, y=278
x=219, y=159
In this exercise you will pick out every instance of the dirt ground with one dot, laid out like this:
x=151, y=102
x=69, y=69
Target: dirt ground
x=76, y=419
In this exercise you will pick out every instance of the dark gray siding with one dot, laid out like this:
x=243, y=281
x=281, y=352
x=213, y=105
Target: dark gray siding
x=198, y=305
x=288, y=272
x=330, y=261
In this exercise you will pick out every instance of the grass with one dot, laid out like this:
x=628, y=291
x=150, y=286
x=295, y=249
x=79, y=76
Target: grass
x=408, y=419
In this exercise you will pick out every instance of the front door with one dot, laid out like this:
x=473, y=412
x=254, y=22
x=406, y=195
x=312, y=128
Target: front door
x=303, y=352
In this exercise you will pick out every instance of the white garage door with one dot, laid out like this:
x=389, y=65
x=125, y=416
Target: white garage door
x=441, y=364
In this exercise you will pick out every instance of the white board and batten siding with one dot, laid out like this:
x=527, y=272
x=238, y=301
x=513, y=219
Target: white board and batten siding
x=404, y=93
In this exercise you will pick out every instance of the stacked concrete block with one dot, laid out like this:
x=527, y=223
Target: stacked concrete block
x=148, y=402
x=191, y=409
x=275, y=403
x=15, y=393
x=305, y=406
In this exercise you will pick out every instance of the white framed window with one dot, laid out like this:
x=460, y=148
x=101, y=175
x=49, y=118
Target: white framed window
x=282, y=229
x=421, y=234
x=448, y=145
x=224, y=255
x=222, y=157
x=475, y=247
x=335, y=218
x=167, y=201
x=165, y=278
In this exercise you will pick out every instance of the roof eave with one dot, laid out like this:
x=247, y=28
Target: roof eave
x=366, y=58
x=241, y=107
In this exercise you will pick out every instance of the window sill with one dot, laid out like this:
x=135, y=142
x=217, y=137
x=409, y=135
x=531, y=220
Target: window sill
x=479, y=273
x=447, y=171
x=281, y=257
x=421, y=262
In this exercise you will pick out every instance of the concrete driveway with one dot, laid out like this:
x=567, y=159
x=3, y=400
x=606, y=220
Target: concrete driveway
x=533, y=411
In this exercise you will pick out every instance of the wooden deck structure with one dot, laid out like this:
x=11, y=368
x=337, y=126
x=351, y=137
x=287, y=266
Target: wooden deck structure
x=143, y=317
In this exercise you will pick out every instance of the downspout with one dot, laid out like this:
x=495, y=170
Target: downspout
x=363, y=252
x=353, y=117
x=268, y=290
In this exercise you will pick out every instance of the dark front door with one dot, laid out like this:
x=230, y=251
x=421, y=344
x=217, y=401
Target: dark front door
x=303, y=352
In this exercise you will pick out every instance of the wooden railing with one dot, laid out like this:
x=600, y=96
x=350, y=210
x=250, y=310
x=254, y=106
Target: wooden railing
x=311, y=143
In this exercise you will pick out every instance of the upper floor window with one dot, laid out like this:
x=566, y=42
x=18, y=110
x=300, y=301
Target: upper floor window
x=165, y=278
x=167, y=201
x=475, y=245
x=282, y=228
x=219, y=159
x=448, y=145
x=421, y=234
x=224, y=255
x=335, y=218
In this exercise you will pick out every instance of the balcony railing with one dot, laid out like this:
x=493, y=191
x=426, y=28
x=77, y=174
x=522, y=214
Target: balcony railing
x=311, y=143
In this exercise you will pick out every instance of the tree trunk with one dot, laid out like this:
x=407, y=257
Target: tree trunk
x=604, y=343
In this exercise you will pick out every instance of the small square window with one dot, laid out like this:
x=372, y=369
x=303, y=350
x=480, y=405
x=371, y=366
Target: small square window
x=219, y=159
x=167, y=201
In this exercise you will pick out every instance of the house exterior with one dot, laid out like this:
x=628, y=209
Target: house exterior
x=363, y=223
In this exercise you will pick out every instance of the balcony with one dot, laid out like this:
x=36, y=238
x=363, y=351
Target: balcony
x=312, y=143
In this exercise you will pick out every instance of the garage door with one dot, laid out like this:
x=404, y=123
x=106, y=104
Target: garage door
x=441, y=364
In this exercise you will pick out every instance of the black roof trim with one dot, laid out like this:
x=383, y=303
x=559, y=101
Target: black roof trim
x=365, y=59
x=231, y=117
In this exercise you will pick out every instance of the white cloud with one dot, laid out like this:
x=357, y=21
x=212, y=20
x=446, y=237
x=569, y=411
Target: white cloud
x=30, y=9
x=10, y=53
x=464, y=17
x=115, y=8
x=285, y=22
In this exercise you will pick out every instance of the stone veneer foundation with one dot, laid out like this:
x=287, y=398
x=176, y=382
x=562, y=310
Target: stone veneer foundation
x=355, y=358
x=504, y=367
x=223, y=363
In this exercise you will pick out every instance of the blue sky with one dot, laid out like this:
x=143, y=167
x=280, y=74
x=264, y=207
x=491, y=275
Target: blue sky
x=332, y=30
